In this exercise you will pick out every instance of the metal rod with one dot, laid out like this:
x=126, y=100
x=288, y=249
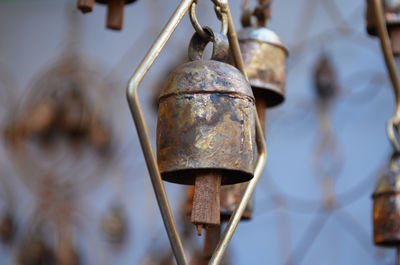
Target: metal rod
x=136, y=111
x=262, y=154
x=387, y=53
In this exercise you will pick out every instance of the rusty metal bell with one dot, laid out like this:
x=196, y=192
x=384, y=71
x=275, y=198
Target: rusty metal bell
x=264, y=56
x=386, y=210
x=391, y=9
x=230, y=199
x=206, y=118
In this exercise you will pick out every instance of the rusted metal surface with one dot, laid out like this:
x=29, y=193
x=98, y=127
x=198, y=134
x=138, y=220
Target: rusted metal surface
x=230, y=198
x=206, y=121
x=391, y=10
x=264, y=56
x=386, y=210
x=391, y=15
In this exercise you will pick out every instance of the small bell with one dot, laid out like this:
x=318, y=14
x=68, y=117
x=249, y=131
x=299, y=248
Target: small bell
x=206, y=127
x=230, y=199
x=264, y=55
x=386, y=209
x=392, y=18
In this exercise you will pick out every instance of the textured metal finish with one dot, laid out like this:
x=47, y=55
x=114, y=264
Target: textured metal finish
x=386, y=211
x=264, y=57
x=230, y=198
x=206, y=121
x=391, y=11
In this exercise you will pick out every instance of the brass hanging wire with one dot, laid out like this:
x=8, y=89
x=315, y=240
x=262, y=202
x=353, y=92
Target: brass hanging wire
x=199, y=29
x=141, y=127
x=394, y=123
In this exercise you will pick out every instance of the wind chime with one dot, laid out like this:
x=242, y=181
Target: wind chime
x=207, y=126
x=115, y=10
x=383, y=21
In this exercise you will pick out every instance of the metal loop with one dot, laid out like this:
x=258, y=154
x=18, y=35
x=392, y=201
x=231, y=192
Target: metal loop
x=261, y=12
x=393, y=134
x=199, y=29
x=197, y=45
x=393, y=161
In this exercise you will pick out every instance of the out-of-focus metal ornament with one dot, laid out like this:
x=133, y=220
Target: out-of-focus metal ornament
x=35, y=252
x=386, y=209
x=230, y=199
x=325, y=82
x=114, y=225
x=7, y=228
x=264, y=55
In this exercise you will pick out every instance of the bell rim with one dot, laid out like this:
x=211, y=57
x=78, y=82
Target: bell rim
x=262, y=34
x=272, y=94
x=229, y=175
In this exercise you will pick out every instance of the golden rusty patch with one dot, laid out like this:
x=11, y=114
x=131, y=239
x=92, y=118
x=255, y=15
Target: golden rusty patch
x=206, y=121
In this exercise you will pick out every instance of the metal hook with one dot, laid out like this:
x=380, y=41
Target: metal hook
x=199, y=29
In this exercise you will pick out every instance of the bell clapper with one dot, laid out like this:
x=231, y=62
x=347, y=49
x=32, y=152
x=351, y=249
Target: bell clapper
x=85, y=6
x=115, y=14
x=211, y=240
x=206, y=200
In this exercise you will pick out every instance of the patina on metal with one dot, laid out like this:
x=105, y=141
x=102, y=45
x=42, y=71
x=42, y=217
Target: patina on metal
x=230, y=198
x=264, y=56
x=206, y=120
x=391, y=13
x=386, y=209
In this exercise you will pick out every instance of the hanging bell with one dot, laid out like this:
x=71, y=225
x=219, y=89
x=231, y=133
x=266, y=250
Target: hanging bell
x=206, y=125
x=230, y=199
x=115, y=10
x=391, y=9
x=386, y=209
x=264, y=57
